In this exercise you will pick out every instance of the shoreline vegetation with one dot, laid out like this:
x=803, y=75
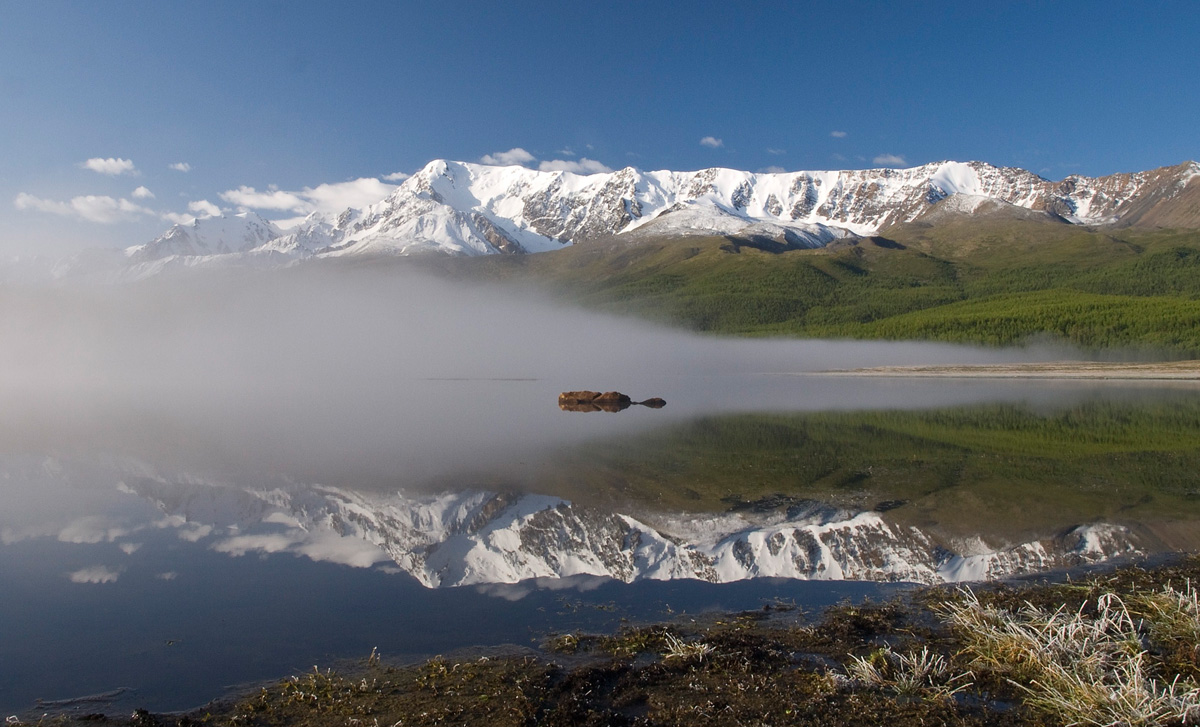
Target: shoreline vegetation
x=1119, y=646
x=1091, y=370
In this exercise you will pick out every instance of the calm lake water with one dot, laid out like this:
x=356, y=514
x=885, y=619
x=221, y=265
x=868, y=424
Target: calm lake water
x=198, y=490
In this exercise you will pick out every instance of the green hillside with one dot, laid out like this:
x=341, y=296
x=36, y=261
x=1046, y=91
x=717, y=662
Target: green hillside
x=990, y=281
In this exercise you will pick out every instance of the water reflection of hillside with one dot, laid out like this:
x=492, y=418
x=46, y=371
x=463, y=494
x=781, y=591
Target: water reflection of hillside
x=1003, y=472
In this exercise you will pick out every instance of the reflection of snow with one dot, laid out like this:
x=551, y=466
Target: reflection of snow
x=477, y=538
x=95, y=574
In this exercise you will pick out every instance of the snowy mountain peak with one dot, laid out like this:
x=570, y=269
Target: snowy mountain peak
x=463, y=208
x=222, y=235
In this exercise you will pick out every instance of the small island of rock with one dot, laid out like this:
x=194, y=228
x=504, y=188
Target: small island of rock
x=611, y=401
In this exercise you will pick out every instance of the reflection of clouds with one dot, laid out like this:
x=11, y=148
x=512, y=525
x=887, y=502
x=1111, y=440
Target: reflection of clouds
x=95, y=574
x=194, y=532
x=91, y=529
x=10, y=535
x=323, y=546
x=517, y=591
x=189, y=531
x=266, y=543
x=507, y=591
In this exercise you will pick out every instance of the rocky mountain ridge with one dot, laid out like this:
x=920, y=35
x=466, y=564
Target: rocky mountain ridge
x=461, y=208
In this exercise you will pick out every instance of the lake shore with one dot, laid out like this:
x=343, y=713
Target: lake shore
x=1091, y=370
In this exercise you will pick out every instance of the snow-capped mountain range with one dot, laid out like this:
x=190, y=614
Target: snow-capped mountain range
x=473, y=537
x=473, y=209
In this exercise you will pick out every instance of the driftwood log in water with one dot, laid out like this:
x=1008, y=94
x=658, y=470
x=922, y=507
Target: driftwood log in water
x=611, y=401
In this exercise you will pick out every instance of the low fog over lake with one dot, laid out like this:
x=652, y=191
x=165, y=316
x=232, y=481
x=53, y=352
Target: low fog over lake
x=357, y=377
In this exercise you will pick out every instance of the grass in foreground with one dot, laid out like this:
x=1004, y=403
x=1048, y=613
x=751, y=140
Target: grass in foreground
x=1118, y=650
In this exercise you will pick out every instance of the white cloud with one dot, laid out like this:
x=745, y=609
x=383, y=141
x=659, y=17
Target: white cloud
x=110, y=166
x=567, y=152
x=333, y=198
x=180, y=167
x=712, y=142
x=168, y=576
x=772, y=170
x=396, y=177
x=143, y=193
x=129, y=548
x=177, y=218
x=776, y=152
x=93, y=208
x=583, y=166
x=200, y=209
x=271, y=199
x=516, y=155
x=890, y=160
x=329, y=199
x=95, y=574
x=838, y=134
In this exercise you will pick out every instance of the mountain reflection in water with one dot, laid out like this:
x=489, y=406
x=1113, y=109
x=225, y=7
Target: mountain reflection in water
x=120, y=556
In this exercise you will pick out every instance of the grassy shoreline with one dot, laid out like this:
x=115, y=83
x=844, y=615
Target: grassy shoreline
x=1182, y=371
x=1120, y=646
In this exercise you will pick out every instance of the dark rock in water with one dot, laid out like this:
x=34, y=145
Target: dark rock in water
x=588, y=406
x=611, y=401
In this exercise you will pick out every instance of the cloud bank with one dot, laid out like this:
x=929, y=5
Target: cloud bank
x=93, y=208
x=582, y=166
x=890, y=160
x=328, y=199
x=110, y=166
x=516, y=155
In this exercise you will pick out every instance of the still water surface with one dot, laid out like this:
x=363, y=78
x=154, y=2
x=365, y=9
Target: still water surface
x=174, y=581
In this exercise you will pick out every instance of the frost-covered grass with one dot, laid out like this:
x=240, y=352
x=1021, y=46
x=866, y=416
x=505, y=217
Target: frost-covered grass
x=921, y=673
x=1087, y=666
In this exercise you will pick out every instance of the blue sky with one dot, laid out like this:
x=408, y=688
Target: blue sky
x=310, y=104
